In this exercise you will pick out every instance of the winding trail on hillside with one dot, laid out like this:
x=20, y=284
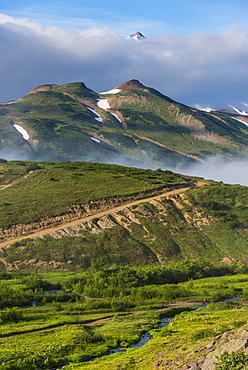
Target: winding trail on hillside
x=16, y=180
x=42, y=232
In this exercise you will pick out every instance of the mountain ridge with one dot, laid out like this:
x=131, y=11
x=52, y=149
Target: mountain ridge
x=131, y=124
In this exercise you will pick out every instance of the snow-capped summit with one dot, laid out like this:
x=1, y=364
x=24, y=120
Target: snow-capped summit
x=136, y=36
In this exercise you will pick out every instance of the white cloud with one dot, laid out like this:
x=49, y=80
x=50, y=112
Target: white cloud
x=205, y=109
x=208, y=70
x=233, y=172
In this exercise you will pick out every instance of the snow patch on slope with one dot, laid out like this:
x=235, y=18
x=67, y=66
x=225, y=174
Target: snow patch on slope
x=98, y=118
x=113, y=91
x=94, y=139
x=103, y=103
x=115, y=115
x=240, y=120
x=242, y=113
x=22, y=131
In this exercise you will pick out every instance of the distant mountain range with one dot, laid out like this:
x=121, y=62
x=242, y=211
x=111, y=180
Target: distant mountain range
x=131, y=124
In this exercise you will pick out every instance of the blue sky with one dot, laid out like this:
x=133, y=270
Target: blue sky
x=150, y=17
x=196, y=52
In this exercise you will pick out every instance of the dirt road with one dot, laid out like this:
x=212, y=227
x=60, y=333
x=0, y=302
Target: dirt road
x=42, y=232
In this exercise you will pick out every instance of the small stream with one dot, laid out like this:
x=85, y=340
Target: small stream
x=143, y=340
x=146, y=336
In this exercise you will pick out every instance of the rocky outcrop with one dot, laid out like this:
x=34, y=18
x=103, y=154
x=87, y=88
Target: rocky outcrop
x=132, y=84
x=227, y=342
x=208, y=355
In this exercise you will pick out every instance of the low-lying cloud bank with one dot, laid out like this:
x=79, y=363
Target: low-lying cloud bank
x=209, y=70
x=233, y=172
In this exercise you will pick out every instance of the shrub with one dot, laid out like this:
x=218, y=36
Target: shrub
x=86, y=335
x=245, y=294
x=33, y=167
x=13, y=314
x=36, y=282
x=203, y=333
x=239, y=323
x=232, y=361
x=96, y=304
x=222, y=295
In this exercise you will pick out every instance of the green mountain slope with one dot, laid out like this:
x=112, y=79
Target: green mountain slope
x=63, y=216
x=131, y=125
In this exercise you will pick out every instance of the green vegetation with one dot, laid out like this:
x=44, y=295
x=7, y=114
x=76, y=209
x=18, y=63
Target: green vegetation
x=70, y=330
x=155, y=116
x=228, y=203
x=232, y=361
x=10, y=315
x=117, y=274
x=121, y=286
x=226, y=208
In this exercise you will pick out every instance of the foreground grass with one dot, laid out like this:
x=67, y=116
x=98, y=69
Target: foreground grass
x=64, y=333
x=64, y=341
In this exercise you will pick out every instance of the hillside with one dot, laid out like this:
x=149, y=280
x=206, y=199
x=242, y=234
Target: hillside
x=65, y=216
x=132, y=125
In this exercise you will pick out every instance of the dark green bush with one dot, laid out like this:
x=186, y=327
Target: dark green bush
x=36, y=282
x=33, y=167
x=13, y=314
x=203, y=333
x=223, y=294
x=232, y=361
x=239, y=323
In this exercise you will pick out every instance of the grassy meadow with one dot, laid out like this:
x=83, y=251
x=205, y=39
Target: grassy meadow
x=100, y=311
